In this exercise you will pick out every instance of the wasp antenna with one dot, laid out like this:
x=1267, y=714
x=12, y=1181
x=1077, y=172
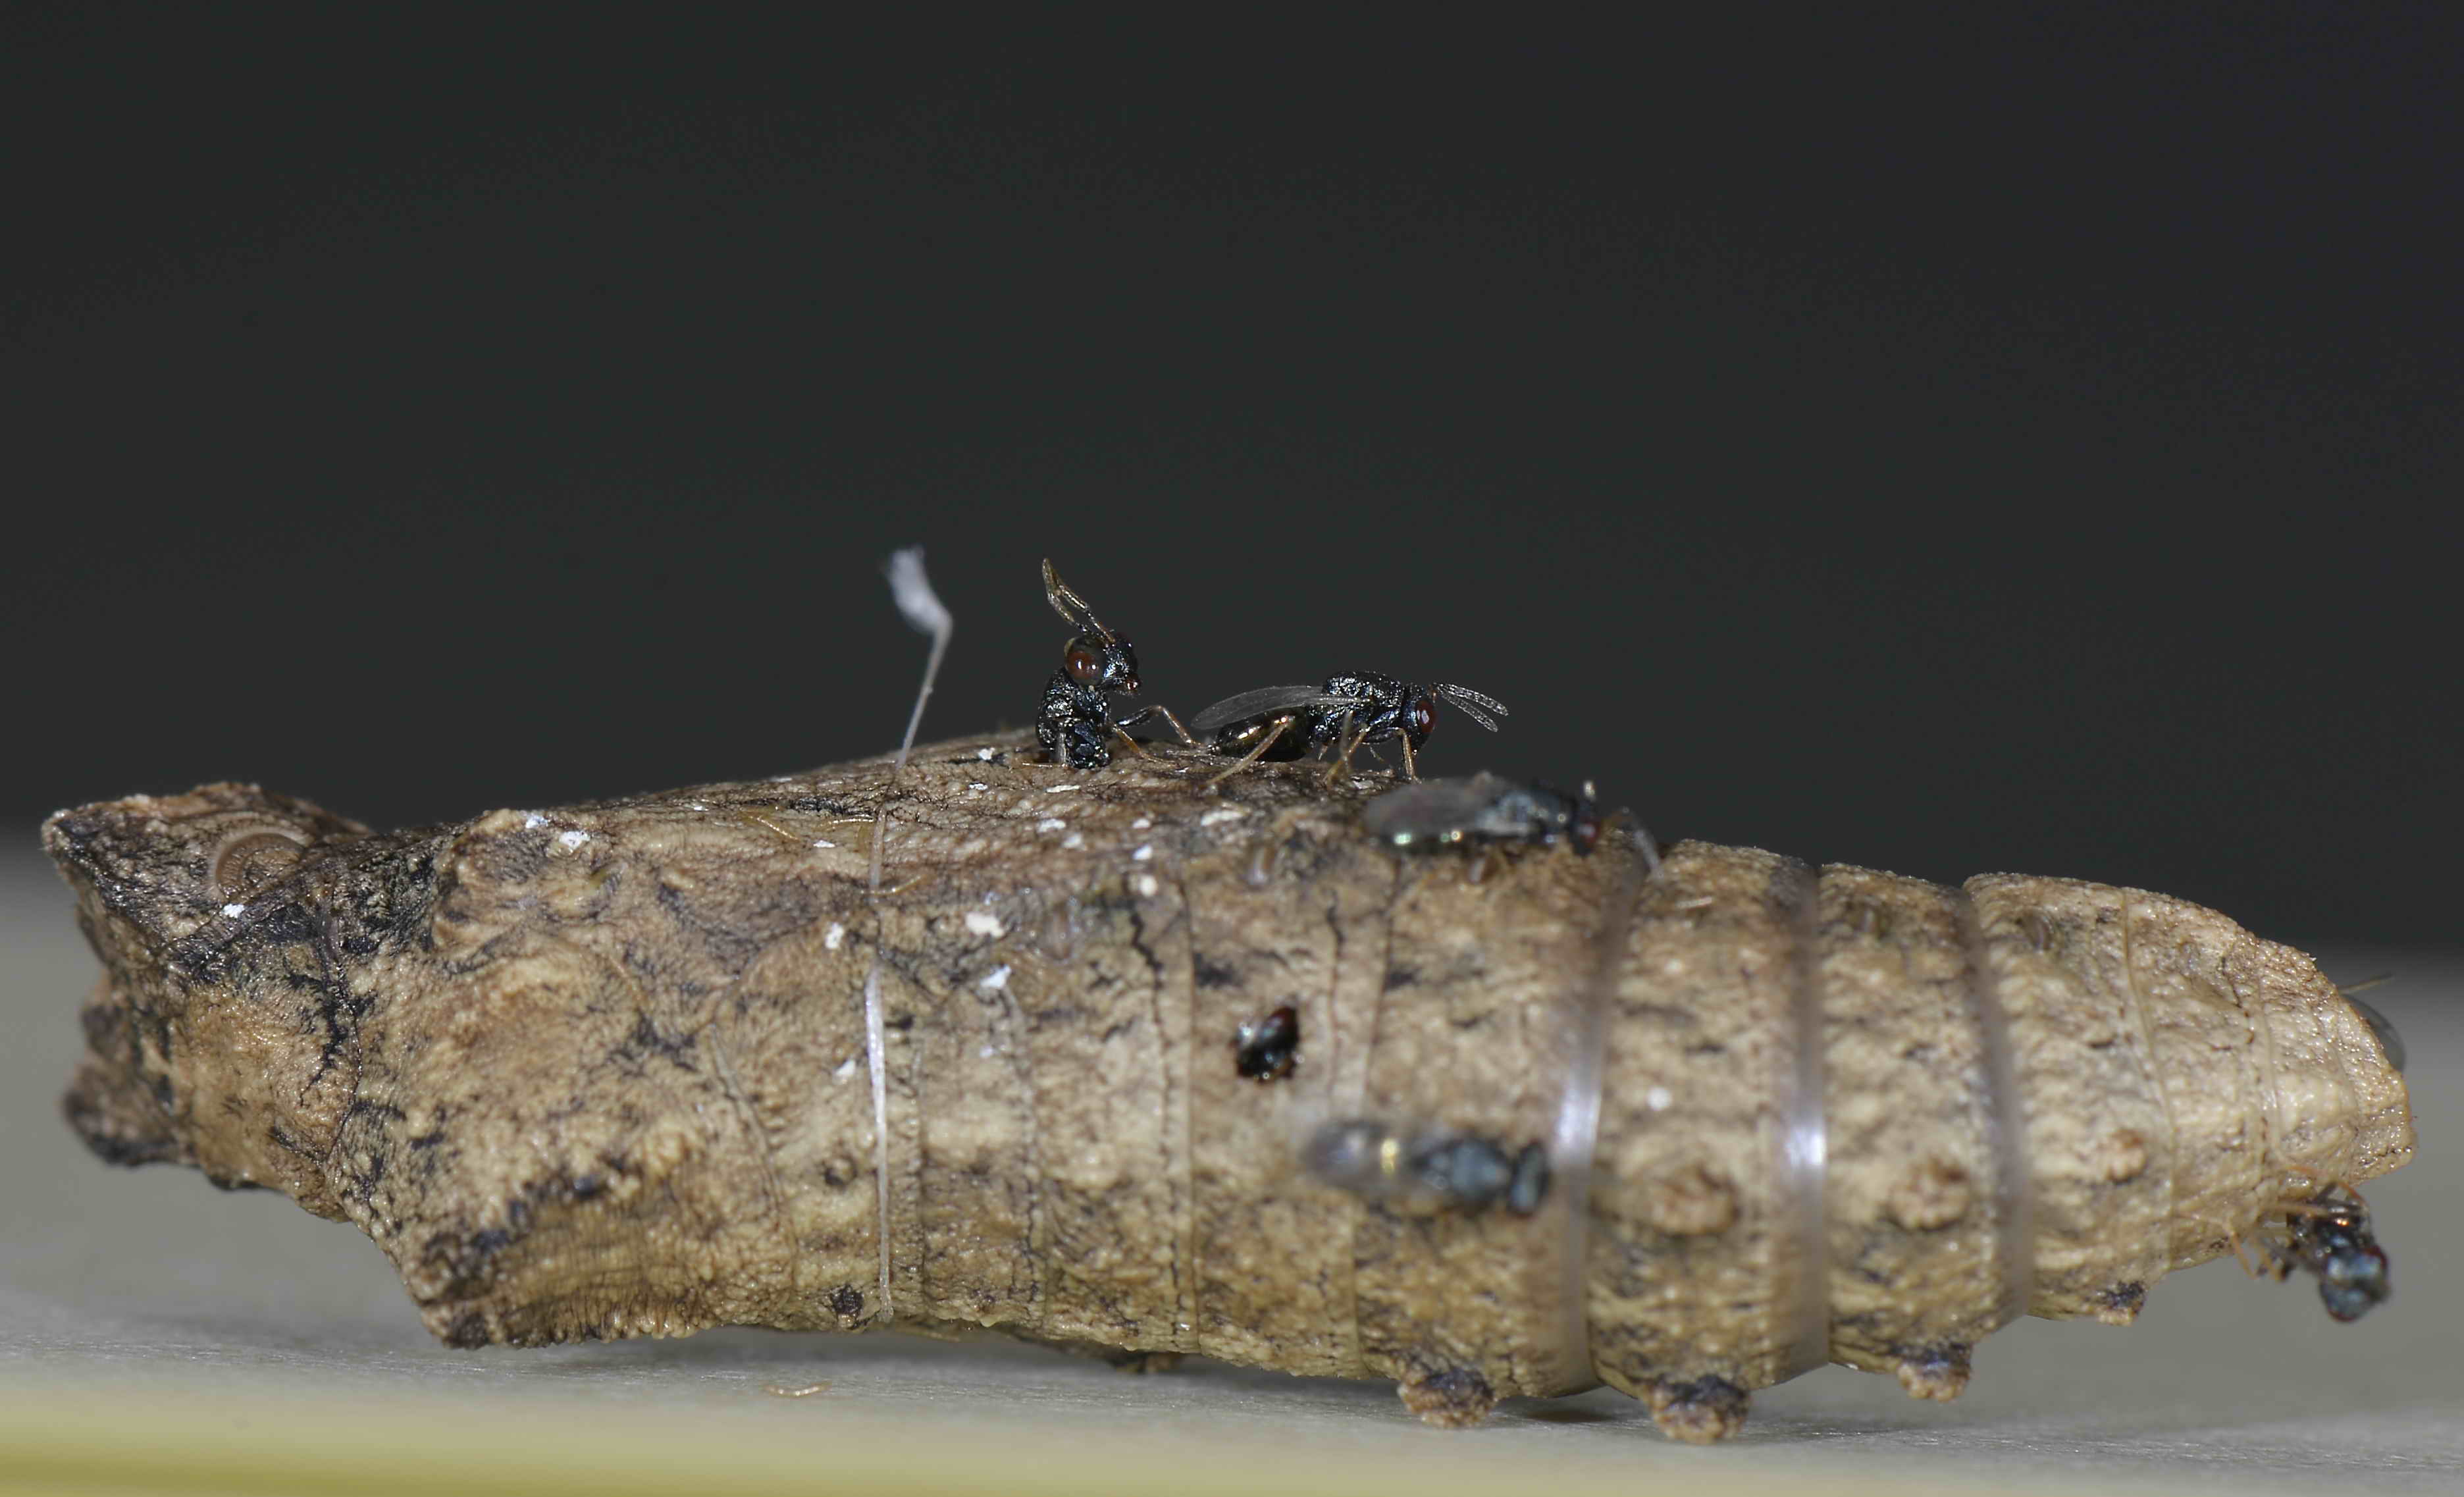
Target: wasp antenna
x=1055, y=590
x=1471, y=701
x=2381, y=1025
x=1071, y=608
x=1481, y=697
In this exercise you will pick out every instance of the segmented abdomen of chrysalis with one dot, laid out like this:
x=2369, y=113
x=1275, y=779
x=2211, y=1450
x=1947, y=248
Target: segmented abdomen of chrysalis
x=2029, y=1094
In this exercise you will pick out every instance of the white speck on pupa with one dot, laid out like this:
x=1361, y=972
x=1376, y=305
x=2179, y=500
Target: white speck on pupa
x=1229, y=813
x=781, y=780
x=572, y=838
x=846, y=1068
x=1146, y=850
x=532, y=820
x=978, y=784
x=1057, y=789
x=234, y=910
x=984, y=922
x=824, y=843
x=831, y=937
x=1051, y=824
x=1657, y=1099
x=1141, y=824
x=985, y=754
x=993, y=981
x=697, y=805
x=1074, y=840
x=1147, y=885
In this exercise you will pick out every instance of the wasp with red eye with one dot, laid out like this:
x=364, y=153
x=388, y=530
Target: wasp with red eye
x=2329, y=1238
x=1484, y=810
x=1354, y=707
x=1076, y=726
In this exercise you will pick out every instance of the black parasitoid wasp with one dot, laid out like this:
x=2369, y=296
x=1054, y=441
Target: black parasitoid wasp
x=1353, y=708
x=2329, y=1238
x=1076, y=726
x=1428, y=1171
x=1269, y=1048
x=1481, y=810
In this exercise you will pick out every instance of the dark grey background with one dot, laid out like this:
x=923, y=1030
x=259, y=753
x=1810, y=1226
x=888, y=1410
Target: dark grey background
x=2024, y=440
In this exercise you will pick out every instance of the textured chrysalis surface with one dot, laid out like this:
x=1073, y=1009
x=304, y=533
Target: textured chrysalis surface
x=1166, y=1069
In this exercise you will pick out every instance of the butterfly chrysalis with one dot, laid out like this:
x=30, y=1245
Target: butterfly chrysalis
x=603, y=1070
x=1474, y=1093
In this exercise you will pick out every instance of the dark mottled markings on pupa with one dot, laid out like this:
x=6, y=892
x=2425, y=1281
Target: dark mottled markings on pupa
x=847, y=1302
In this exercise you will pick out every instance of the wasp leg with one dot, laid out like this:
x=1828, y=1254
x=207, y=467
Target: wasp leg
x=1251, y=757
x=2317, y=1205
x=1158, y=711
x=1348, y=743
x=1411, y=769
x=1122, y=731
x=1455, y=1399
x=2277, y=1260
x=1700, y=1412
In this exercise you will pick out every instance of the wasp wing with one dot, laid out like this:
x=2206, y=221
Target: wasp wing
x=1435, y=810
x=1264, y=700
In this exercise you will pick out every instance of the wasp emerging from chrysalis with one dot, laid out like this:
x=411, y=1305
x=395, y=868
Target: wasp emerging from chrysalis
x=1350, y=710
x=1483, y=810
x=1076, y=726
x=2329, y=1238
x=1268, y=1049
x=1429, y=1171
